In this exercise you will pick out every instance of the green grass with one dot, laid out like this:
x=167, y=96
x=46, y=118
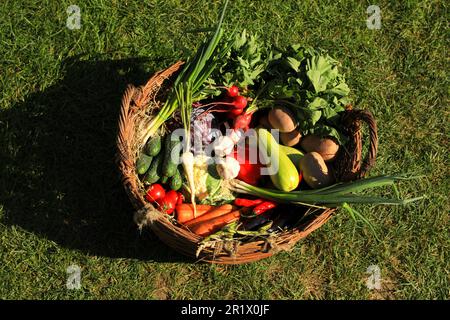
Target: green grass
x=61, y=200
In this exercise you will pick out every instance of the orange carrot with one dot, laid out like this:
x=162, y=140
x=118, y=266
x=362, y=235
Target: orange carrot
x=185, y=211
x=208, y=227
x=214, y=212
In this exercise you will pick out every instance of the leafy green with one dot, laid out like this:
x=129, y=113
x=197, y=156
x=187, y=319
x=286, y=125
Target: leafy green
x=244, y=62
x=308, y=82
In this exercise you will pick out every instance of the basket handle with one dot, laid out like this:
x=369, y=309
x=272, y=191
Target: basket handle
x=350, y=164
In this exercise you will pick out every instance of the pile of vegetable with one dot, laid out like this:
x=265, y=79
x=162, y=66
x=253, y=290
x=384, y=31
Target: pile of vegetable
x=245, y=141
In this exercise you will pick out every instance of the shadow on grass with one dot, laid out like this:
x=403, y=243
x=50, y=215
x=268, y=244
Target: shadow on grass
x=58, y=177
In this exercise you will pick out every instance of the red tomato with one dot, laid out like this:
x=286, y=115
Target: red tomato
x=155, y=192
x=165, y=205
x=172, y=196
x=248, y=172
x=168, y=203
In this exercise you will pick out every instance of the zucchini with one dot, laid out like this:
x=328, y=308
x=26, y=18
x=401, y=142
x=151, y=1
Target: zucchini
x=294, y=154
x=153, y=146
x=176, y=182
x=170, y=165
x=143, y=163
x=154, y=173
x=284, y=175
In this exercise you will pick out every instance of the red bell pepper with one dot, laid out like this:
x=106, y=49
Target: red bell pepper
x=249, y=172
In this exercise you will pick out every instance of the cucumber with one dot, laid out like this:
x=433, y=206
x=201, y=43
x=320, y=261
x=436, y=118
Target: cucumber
x=164, y=179
x=176, y=182
x=153, y=146
x=154, y=173
x=170, y=165
x=143, y=163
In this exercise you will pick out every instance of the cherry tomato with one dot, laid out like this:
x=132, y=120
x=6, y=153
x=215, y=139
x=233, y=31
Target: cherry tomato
x=168, y=203
x=166, y=206
x=172, y=196
x=155, y=192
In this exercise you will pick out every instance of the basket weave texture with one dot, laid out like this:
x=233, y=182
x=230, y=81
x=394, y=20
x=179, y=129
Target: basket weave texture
x=349, y=165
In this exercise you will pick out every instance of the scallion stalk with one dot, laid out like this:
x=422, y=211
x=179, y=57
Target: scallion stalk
x=335, y=195
x=195, y=72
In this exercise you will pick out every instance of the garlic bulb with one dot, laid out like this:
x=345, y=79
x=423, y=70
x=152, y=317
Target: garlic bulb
x=228, y=168
x=223, y=146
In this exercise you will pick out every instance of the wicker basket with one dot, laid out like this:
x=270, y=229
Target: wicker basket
x=349, y=165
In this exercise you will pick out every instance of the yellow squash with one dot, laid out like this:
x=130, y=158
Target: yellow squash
x=284, y=174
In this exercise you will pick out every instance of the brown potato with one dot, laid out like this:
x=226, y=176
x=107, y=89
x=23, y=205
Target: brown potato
x=290, y=138
x=264, y=122
x=281, y=118
x=327, y=148
x=315, y=171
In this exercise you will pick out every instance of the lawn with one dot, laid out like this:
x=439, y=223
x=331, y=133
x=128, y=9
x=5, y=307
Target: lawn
x=61, y=199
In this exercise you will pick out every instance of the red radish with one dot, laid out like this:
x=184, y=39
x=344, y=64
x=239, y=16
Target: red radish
x=233, y=113
x=155, y=192
x=240, y=102
x=242, y=121
x=233, y=91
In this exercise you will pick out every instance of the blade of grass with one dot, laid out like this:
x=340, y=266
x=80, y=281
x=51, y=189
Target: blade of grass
x=355, y=214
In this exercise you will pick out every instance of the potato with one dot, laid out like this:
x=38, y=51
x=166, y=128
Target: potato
x=281, y=118
x=315, y=171
x=264, y=122
x=290, y=138
x=327, y=148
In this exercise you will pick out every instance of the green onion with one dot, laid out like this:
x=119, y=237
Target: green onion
x=194, y=74
x=338, y=194
x=185, y=89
